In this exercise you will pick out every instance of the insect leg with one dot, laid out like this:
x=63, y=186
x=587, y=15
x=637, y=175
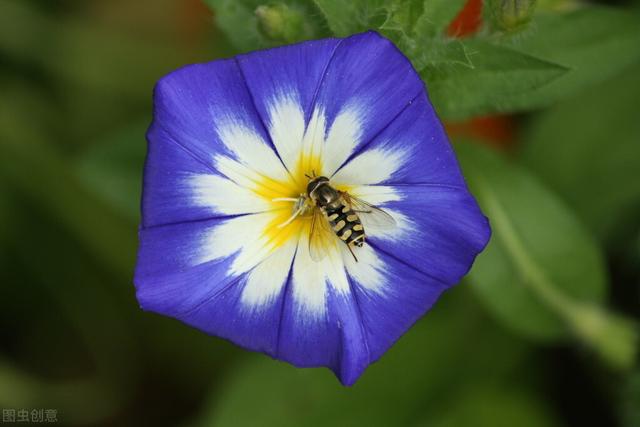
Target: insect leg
x=351, y=250
x=292, y=217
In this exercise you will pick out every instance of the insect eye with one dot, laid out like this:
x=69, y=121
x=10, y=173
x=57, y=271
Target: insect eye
x=310, y=187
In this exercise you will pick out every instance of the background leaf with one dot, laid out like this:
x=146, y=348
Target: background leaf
x=84, y=55
x=233, y=14
x=492, y=406
x=631, y=397
x=45, y=177
x=550, y=242
x=542, y=274
x=346, y=18
x=593, y=42
x=600, y=131
x=112, y=168
x=495, y=77
x=579, y=48
x=436, y=17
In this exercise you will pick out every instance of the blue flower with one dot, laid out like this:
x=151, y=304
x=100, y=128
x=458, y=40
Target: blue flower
x=230, y=136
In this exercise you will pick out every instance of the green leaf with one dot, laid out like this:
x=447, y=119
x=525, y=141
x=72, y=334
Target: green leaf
x=91, y=56
x=550, y=242
x=588, y=150
x=554, y=58
x=594, y=42
x=437, y=16
x=497, y=76
x=280, y=23
x=239, y=21
x=348, y=17
x=6, y=214
x=401, y=16
x=435, y=53
x=420, y=19
x=236, y=18
x=542, y=274
x=558, y=5
x=486, y=405
x=417, y=28
x=630, y=398
x=510, y=16
x=112, y=168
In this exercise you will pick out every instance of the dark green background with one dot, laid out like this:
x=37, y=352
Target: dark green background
x=541, y=333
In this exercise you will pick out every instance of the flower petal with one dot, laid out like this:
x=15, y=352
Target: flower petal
x=216, y=276
x=356, y=85
x=387, y=313
x=203, y=117
x=354, y=326
x=171, y=193
x=221, y=195
x=413, y=149
x=401, y=273
x=440, y=230
x=218, y=253
x=372, y=82
x=284, y=83
x=176, y=271
x=320, y=324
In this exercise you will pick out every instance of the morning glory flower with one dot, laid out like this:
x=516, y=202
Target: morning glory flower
x=233, y=142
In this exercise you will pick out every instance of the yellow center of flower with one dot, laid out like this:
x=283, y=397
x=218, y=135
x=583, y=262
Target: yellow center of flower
x=276, y=233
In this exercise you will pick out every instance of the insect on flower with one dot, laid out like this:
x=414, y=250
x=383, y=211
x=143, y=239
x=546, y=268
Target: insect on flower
x=328, y=206
x=303, y=202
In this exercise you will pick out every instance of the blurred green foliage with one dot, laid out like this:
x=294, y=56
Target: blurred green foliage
x=528, y=269
x=600, y=131
x=542, y=332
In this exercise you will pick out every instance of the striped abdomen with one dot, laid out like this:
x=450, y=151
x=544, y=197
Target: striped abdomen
x=346, y=224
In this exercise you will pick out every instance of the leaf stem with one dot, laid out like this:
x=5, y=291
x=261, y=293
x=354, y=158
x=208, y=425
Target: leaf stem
x=613, y=337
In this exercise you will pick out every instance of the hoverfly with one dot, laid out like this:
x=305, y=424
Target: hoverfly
x=335, y=212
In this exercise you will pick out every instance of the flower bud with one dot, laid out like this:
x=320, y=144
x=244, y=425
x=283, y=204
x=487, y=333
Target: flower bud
x=509, y=15
x=280, y=23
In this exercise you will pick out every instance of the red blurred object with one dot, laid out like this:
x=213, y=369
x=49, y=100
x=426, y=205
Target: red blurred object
x=194, y=20
x=468, y=20
x=497, y=131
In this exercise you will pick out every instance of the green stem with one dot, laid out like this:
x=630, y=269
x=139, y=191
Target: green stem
x=613, y=337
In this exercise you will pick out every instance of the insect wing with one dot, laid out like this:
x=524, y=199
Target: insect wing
x=319, y=233
x=369, y=214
